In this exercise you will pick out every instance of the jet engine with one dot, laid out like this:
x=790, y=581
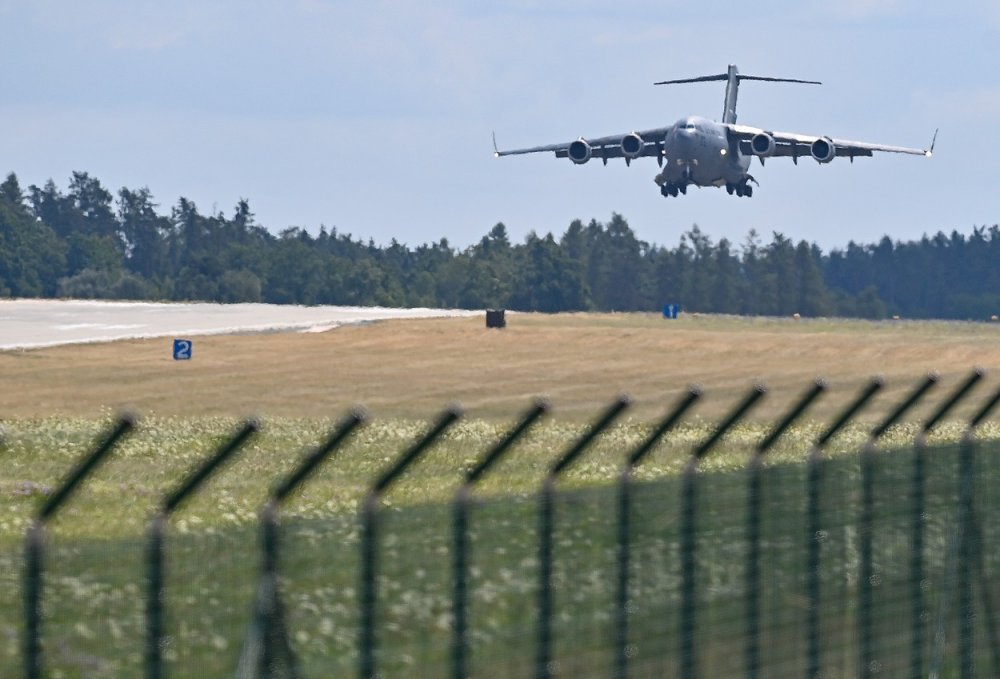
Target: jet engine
x=632, y=145
x=823, y=150
x=579, y=151
x=762, y=144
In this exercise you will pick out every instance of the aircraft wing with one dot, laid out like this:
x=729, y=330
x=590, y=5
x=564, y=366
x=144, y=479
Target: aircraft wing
x=793, y=145
x=601, y=147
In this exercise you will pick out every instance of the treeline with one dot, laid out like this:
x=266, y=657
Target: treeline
x=88, y=243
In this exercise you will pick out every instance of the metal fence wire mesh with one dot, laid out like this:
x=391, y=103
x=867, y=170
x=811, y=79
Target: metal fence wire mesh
x=879, y=563
x=208, y=596
x=92, y=608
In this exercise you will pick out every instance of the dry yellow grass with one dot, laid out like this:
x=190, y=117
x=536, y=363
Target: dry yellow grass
x=413, y=368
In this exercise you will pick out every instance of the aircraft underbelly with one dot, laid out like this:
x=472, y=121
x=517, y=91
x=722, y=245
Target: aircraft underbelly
x=701, y=157
x=700, y=171
x=707, y=173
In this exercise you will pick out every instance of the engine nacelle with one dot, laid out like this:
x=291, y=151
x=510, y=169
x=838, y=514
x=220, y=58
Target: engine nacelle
x=823, y=150
x=579, y=151
x=762, y=144
x=632, y=145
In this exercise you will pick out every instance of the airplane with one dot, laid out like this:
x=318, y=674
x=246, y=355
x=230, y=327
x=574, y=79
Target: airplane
x=696, y=151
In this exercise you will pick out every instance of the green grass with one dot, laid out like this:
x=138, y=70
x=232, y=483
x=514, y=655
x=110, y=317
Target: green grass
x=95, y=572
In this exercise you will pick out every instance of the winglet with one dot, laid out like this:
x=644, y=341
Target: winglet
x=496, y=151
x=930, y=152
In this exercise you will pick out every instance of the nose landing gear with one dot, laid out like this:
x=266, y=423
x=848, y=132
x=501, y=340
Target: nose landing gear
x=670, y=188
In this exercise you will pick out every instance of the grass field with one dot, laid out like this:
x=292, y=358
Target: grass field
x=56, y=401
x=411, y=369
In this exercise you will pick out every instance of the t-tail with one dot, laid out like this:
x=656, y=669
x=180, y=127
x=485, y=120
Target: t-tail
x=733, y=78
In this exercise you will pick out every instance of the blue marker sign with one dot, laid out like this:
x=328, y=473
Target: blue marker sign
x=671, y=310
x=182, y=349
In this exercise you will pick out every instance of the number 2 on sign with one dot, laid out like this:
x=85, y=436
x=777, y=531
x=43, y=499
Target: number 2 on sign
x=182, y=350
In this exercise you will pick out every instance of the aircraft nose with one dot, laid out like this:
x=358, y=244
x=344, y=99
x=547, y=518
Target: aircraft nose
x=683, y=139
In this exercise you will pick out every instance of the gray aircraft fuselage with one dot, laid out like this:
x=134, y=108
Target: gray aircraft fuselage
x=697, y=151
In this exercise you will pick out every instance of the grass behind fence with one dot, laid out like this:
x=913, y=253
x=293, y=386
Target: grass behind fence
x=94, y=581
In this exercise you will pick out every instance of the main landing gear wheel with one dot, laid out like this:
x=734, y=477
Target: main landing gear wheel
x=742, y=189
x=667, y=190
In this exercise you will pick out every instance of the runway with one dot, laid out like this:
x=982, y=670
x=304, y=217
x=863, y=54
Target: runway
x=33, y=323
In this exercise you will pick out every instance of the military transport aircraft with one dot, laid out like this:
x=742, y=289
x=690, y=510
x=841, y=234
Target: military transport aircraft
x=701, y=152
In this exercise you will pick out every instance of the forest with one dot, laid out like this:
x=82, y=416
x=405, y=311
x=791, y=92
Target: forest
x=88, y=243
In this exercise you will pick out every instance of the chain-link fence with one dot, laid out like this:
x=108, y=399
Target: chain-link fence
x=882, y=563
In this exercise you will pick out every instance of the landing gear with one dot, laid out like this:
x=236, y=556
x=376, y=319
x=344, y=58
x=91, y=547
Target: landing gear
x=742, y=188
x=667, y=190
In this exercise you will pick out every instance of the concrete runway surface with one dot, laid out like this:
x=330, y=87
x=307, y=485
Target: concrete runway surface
x=28, y=323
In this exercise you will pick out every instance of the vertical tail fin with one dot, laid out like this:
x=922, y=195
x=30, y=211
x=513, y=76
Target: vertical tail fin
x=733, y=78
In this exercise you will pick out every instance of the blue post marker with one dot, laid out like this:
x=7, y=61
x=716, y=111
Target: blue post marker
x=182, y=349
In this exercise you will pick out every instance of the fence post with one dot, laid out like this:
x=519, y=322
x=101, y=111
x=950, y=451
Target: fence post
x=867, y=664
x=966, y=499
x=967, y=526
x=955, y=550
x=33, y=565
x=267, y=645
x=624, y=527
x=814, y=478
x=986, y=591
x=461, y=535
x=35, y=543
x=369, y=536
x=752, y=650
x=689, y=543
x=546, y=519
x=917, y=529
x=157, y=531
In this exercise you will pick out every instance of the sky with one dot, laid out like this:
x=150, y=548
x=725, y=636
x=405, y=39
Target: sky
x=375, y=118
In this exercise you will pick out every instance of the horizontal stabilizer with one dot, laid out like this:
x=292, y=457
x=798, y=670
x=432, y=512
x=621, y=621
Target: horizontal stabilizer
x=733, y=78
x=699, y=79
x=739, y=76
x=778, y=80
